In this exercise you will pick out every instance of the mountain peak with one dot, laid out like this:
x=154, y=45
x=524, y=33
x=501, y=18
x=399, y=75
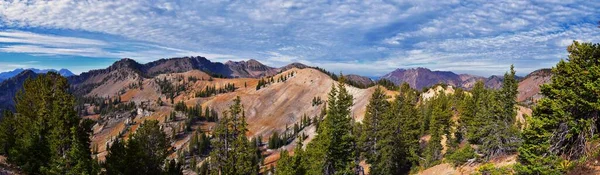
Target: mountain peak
x=125, y=63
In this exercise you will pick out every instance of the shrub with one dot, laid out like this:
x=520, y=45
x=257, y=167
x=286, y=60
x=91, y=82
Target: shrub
x=461, y=155
x=490, y=169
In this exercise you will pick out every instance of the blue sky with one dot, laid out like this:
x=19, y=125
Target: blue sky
x=363, y=37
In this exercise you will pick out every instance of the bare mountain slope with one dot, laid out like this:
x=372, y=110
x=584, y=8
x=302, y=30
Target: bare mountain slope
x=284, y=103
x=268, y=109
x=529, y=87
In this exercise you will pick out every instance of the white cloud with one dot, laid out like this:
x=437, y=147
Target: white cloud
x=21, y=37
x=485, y=36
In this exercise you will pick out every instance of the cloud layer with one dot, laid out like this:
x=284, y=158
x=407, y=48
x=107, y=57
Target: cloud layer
x=364, y=37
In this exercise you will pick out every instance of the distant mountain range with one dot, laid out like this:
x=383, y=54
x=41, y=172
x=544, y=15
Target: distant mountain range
x=419, y=78
x=125, y=72
x=10, y=74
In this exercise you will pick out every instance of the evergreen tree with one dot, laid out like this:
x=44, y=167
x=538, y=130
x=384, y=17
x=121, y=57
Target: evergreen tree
x=473, y=116
x=144, y=153
x=566, y=118
x=291, y=165
x=333, y=151
x=43, y=139
x=193, y=145
x=116, y=159
x=438, y=127
x=233, y=153
x=7, y=132
x=173, y=168
x=203, y=144
x=372, y=125
x=399, y=143
x=500, y=134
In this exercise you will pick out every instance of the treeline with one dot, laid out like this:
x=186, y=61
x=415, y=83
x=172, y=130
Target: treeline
x=102, y=105
x=168, y=89
x=263, y=82
x=212, y=90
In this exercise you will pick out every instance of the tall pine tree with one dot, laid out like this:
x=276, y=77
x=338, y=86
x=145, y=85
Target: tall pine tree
x=333, y=151
x=232, y=152
x=372, y=125
x=48, y=137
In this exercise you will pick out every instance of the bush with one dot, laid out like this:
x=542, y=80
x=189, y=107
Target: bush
x=490, y=169
x=461, y=155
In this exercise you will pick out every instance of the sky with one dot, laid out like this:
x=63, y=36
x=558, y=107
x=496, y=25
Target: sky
x=368, y=38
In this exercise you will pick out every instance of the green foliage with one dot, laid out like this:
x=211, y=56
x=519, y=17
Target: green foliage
x=275, y=141
x=439, y=125
x=488, y=118
x=212, y=90
x=461, y=155
x=490, y=169
x=387, y=84
x=566, y=118
x=316, y=101
x=291, y=165
x=333, y=150
x=500, y=134
x=46, y=136
x=399, y=135
x=261, y=83
x=173, y=168
x=180, y=106
x=372, y=125
x=7, y=132
x=232, y=153
x=144, y=153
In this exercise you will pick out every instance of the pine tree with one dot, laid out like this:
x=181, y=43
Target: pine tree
x=566, y=118
x=291, y=165
x=116, y=159
x=203, y=144
x=438, y=127
x=500, y=134
x=43, y=141
x=7, y=132
x=233, y=153
x=333, y=151
x=472, y=116
x=372, y=125
x=144, y=153
x=399, y=142
x=193, y=145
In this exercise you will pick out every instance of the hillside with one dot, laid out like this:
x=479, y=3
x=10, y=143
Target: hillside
x=10, y=87
x=268, y=109
x=360, y=81
x=529, y=87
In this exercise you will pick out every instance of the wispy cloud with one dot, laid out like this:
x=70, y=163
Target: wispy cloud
x=366, y=37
